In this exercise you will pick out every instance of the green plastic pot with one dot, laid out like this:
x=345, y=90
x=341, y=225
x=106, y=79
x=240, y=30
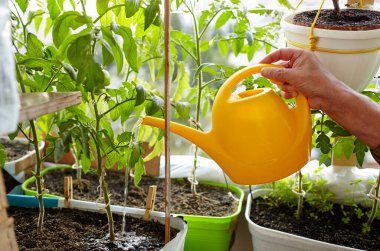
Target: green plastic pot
x=212, y=233
x=32, y=180
x=204, y=232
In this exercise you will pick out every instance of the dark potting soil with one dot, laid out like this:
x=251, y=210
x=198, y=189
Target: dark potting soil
x=346, y=19
x=15, y=149
x=74, y=230
x=327, y=228
x=212, y=201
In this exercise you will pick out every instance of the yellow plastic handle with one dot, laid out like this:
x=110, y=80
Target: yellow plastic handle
x=226, y=89
x=229, y=85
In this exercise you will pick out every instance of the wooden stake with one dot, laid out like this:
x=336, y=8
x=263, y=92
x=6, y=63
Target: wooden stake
x=167, y=118
x=68, y=191
x=150, y=202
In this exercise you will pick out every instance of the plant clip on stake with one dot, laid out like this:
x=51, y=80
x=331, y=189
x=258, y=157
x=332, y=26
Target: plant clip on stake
x=150, y=199
x=167, y=118
x=67, y=190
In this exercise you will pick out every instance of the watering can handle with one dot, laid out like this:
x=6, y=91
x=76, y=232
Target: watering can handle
x=226, y=90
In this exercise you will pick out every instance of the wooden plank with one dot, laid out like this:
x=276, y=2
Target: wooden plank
x=3, y=192
x=7, y=236
x=34, y=105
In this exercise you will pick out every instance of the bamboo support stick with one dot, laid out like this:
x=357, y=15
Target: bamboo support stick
x=150, y=199
x=68, y=191
x=167, y=118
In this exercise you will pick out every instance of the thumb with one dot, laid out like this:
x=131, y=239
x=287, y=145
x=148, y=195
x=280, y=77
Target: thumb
x=277, y=74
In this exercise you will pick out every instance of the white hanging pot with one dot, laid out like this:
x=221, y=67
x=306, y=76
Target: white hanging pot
x=352, y=56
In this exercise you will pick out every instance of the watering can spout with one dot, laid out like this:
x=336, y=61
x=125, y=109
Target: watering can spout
x=197, y=137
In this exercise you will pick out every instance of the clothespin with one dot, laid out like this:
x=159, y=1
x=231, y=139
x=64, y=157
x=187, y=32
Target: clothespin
x=68, y=191
x=151, y=198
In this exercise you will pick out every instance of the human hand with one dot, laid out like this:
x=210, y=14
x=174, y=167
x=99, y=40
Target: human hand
x=302, y=73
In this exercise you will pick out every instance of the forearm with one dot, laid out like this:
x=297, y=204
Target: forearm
x=356, y=113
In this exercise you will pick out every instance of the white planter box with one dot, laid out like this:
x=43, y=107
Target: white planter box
x=17, y=167
x=355, y=70
x=265, y=239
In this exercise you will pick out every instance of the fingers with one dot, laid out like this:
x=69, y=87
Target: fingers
x=285, y=54
x=283, y=75
x=289, y=95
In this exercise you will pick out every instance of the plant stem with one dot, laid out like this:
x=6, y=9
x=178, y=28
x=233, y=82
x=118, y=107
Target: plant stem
x=39, y=179
x=101, y=173
x=300, y=196
x=336, y=5
x=198, y=108
x=375, y=201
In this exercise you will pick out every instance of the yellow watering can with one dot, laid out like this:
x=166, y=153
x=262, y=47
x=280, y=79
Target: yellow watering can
x=255, y=137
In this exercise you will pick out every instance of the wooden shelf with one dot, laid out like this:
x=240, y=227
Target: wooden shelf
x=34, y=105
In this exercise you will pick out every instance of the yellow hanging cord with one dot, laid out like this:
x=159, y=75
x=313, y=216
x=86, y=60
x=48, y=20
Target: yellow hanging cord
x=301, y=46
x=361, y=4
x=314, y=39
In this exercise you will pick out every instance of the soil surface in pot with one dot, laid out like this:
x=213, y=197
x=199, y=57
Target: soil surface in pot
x=15, y=149
x=68, y=229
x=211, y=201
x=327, y=228
x=346, y=19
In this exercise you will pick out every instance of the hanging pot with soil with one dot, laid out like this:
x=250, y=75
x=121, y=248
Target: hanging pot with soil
x=346, y=42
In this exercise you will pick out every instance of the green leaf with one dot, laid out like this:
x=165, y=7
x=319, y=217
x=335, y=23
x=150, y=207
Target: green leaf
x=285, y=3
x=61, y=26
x=34, y=46
x=59, y=149
x=127, y=109
x=129, y=46
x=323, y=143
x=124, y=137
x=92, y=76
x=183, y=83
x=79, y=51
x=223, y=47
x=140, y=94
x=222, y=19
x=139, y=171
x=38, y=20
x=23, y=4
x=106, y=55
x=101, y=6
x=183, y=109
x=131, y=7
x=85, y=141
x=360, y=149
x=55, y=7
x=69, y=40
x=336, y=129
x=3, y=156
x=86, y=163
x=118, y=55
x=152, y=11
x=112, y=159
x=237, y=45
x=154, y=106
x=37, y=64
x=134, y=155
